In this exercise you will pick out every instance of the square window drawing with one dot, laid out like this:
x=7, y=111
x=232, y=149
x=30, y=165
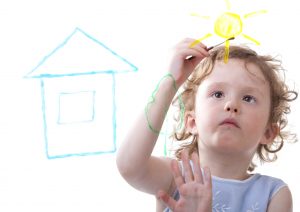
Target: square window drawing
x=76, y=107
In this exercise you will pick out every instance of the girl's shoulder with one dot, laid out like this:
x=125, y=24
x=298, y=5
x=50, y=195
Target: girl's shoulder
x=257, y=185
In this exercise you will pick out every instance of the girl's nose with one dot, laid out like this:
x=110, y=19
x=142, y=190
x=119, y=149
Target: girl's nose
x=231, y=107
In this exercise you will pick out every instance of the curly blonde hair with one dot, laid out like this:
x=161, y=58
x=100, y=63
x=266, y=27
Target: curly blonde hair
x=281, y=96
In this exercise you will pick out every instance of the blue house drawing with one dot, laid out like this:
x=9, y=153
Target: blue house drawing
x=77, y=82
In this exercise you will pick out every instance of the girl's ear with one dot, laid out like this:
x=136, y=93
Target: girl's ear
x=271, y=132
x=190, y=122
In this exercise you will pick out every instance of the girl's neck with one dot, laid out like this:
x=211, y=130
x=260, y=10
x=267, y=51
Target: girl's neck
x=226, y=166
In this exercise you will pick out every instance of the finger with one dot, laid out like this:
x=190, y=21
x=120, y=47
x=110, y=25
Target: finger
x=190, y=43
x=197, y=169
x=199, y=50
x=190, y=53
x=202, y=45
x=177, y=174
x=202, y=49
x=188, y=173
x=169, y=201
x=207, y=178
x=184, y=44
x=187, y=41
x=196, y=56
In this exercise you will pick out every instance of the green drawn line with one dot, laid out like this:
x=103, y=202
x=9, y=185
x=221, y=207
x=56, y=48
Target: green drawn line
x=152, y=100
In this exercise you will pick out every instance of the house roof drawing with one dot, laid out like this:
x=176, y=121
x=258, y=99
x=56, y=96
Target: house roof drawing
x=80, y=54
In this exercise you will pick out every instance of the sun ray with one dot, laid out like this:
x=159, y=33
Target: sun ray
x=252, y=39
x=255, y=13
x=226, y=55
x=228, y=5
x=200, y=16
x=200, y=39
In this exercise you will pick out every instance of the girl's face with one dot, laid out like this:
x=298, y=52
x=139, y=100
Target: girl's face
x=232, y=109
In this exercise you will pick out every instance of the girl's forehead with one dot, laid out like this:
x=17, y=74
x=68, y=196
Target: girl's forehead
x=237, y=70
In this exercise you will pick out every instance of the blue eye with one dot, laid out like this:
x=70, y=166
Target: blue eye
x=218, y=94
x=249, y=98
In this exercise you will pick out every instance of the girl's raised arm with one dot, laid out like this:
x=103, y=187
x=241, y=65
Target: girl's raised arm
x=135, y=163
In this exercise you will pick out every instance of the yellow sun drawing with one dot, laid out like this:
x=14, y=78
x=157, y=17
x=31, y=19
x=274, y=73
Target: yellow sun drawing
x=228, y=25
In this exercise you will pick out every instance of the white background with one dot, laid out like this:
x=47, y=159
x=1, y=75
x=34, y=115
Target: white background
x=143, y=32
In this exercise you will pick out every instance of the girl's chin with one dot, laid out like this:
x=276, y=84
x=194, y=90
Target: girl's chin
x=224, y=140
x=226, y=143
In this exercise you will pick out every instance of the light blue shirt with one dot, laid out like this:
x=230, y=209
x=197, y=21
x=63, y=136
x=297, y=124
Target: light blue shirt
x=250, y=195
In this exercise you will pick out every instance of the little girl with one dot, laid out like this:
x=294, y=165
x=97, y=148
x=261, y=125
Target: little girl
x=232, y=111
